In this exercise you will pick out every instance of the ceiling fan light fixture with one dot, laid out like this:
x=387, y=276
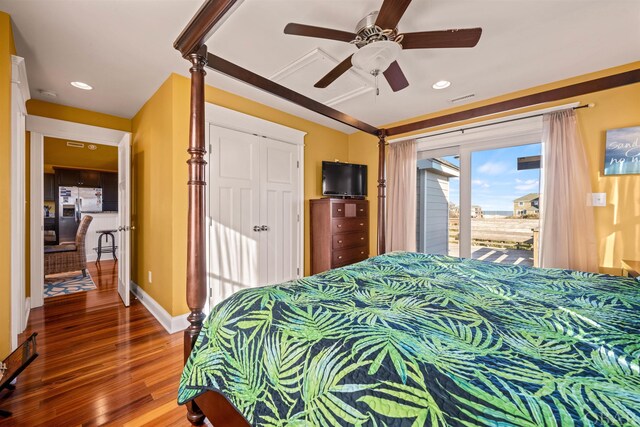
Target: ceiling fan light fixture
x=376, y=57
x=441, y=84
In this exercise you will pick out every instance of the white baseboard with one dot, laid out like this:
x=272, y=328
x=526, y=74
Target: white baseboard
x=27, y=311
x=172, y=324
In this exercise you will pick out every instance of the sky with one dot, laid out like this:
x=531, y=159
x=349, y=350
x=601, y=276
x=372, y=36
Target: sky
x=495, y=179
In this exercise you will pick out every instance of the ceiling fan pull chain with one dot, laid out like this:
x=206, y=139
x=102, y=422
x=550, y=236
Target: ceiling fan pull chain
x=377, y=87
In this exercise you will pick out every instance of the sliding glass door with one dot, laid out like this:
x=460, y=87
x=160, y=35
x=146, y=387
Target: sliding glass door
x=505, y=203
x=479, y=194
x=438, y=204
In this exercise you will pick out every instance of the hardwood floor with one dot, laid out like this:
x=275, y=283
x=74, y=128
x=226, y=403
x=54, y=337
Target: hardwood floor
x=99, y=364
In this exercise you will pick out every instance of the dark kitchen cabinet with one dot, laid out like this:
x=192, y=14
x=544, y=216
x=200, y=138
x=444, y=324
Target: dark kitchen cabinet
x=78, y=178
x=109, y=191
x=68, y=177
x=49, y=187
x=89, y=179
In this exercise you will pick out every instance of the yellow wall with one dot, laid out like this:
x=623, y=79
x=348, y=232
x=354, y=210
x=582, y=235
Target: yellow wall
x=35, y=107
x=363, y=149
x=57, y=153
x=152, y=199
x=167, y=114
x=7, y=49
x=617, y=224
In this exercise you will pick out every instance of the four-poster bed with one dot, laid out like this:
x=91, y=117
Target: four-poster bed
x=191, y=44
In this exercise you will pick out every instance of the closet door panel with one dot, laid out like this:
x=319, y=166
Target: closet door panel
x=279, y=211
x=234, y=209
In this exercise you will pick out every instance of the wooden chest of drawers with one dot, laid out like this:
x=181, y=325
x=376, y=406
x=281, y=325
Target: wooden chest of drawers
x=339, y=233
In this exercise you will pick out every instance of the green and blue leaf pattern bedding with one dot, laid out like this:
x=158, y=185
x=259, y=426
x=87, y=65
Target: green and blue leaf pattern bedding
x=409, y=339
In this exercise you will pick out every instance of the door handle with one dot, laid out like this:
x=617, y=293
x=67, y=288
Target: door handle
x=256, y=228
x=264, y=228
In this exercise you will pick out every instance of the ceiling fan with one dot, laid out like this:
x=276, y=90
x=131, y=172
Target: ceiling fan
x=379, y=43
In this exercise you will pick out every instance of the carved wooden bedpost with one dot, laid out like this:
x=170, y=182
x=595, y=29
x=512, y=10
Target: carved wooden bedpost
x=196, y=249
x=382, y=190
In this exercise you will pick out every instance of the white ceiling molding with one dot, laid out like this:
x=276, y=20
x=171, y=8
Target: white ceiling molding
x=306, y=71
x=19, y=77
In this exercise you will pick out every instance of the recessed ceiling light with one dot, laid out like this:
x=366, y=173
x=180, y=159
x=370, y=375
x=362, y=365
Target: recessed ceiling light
x=442, y=84
x=81, y=85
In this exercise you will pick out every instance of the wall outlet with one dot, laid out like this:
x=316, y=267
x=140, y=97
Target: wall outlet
x=598, y=199
x=150, y=276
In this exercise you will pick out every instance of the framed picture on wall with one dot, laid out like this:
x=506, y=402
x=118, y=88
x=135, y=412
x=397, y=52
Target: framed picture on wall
x=622, y=151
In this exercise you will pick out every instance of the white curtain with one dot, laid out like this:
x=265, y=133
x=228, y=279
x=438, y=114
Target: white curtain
x=401, y=200
x=567, y=231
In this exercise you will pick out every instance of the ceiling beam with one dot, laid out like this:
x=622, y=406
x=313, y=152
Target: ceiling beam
x=596, y=85
x=232, y=70
x=206, y=20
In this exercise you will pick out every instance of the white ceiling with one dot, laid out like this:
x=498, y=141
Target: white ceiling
x=124, y=49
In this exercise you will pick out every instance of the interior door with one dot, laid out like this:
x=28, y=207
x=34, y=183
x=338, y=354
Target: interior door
x=124, y=218
x=279, y=216
x=234, y=208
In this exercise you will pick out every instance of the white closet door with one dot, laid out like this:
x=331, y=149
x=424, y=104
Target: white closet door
x=234, y=208
x=279, y=206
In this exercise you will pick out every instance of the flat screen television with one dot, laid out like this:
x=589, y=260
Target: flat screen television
x=344, y=179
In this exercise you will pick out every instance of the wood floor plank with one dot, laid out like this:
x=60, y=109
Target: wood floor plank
x=99, y=363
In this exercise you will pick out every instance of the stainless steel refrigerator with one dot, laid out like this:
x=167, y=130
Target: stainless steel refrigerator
x=72, y=203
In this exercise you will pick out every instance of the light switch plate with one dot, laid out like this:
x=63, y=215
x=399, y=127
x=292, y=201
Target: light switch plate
x=150, y=276
x=598, y=199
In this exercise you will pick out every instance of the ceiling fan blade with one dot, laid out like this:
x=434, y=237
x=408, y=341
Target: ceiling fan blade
x=332, y=75
x=319, y=32
x=442, y=39
x=391, y=12
x=395, y=77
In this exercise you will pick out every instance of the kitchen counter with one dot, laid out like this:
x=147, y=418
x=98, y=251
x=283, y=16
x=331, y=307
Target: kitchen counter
x=99, y=212
x=101, y=221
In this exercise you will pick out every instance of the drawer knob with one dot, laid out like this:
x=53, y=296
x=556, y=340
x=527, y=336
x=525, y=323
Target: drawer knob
x=339, y=241
x=362, y=238
x=361, y=252
x=339, y=256
x=362, y=223
x=361, y=210
x=339, y=225
x=339, y=210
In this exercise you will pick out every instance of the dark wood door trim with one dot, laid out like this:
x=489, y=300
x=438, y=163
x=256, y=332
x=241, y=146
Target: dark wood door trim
x=590, y=86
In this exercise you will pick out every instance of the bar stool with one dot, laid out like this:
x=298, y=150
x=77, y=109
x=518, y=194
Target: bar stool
x=109, y=250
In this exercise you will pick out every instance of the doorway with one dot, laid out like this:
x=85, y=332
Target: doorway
x=42, y=128
x=80, y=181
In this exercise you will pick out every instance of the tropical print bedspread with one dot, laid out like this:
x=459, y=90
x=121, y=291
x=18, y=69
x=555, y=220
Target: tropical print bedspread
x=409, y=339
